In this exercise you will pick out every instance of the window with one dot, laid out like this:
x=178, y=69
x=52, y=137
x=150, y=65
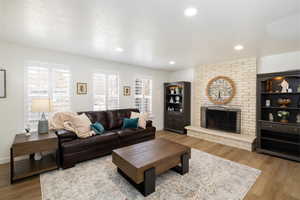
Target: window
x=46, y=81
x=143, y=95
x=106, y=91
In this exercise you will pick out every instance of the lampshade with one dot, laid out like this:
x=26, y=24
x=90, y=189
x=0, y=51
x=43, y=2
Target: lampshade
x=41, y=105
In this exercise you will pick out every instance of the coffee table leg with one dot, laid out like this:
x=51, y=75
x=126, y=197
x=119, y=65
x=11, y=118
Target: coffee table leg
x=184, y=168
x=149, y=181
x=148, y=186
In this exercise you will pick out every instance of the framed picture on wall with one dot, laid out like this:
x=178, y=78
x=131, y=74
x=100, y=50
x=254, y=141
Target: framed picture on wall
x=126, y=91
x=81, y=88
x=2, y=83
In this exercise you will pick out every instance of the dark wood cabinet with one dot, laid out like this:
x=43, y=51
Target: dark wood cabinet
x=177, y=109
x=275, y=135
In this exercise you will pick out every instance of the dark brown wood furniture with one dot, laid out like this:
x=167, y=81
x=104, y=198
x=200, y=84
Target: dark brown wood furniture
x=177, y=106
x=140, y=163
x=28, y=145
x=275, y=137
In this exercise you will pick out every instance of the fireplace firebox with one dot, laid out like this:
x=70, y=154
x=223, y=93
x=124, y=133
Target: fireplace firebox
x=221, y=118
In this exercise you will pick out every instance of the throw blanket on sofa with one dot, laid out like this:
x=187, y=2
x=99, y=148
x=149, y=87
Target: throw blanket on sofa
x=72, y=122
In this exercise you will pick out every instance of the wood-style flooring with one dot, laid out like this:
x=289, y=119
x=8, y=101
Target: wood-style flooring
x=280, y=179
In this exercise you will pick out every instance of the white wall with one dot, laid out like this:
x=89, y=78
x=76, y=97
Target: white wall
x=279, y=62
x=13, y=58
x=185, y=75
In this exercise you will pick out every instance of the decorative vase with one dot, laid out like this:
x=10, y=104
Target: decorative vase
x=284, y=116
x=268, y=103
x=177, y=90
x=271, y=117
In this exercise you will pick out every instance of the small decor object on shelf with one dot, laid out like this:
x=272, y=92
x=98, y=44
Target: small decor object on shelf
x=171, y=100
x=177, y=98
x=271, y=117
x=283, y=103
x=27, y=130
x=180, y=110
x=38, y=156
x=81, y=88
x=283, y=115
x=284, y=86
x=172, y=91
x=298, y=89
x=126, y=91
x=269, y=86
x=298, y=118
x=177, y=90
x=290, y=90
x=268, y=103
x=42, y=106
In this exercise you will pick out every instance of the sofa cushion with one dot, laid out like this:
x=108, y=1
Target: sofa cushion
x=133, y=133
x=97, y=116
x=130, y=123
x=115, y=117
x=96, y=141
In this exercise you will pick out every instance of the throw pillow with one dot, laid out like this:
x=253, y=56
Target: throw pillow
x=130, y=123
x=97, y=128
x=82, y=126
x=143, y=117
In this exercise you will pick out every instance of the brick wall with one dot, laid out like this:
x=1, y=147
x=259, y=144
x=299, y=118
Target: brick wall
x=243, y=73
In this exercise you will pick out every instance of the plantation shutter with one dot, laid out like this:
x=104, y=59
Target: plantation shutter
x=99, y=85
x=143, y=95
x=42, y=81
x=61, y=97
x=106, y=91
x=112, y=92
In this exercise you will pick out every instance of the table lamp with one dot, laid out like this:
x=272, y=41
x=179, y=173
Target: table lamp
x=42, y=106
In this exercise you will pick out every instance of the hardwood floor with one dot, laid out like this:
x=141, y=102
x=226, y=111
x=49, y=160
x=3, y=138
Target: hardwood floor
x=280, y=179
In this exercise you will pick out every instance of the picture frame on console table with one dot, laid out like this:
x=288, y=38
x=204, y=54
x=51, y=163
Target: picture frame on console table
x=2, y=83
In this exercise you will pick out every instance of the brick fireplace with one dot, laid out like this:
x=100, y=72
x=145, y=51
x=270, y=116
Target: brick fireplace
x=243, y=74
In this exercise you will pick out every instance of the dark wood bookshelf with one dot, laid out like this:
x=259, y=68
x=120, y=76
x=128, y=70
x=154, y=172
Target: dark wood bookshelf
x=275, y=137
x=177, y=106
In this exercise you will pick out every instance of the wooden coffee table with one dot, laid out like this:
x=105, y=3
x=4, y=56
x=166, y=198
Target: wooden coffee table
x=140, y=163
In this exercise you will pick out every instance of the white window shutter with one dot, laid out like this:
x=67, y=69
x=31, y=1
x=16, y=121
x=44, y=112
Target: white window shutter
x=143, y=95
x=61, y=97
x=43, y=81
x=106, y=91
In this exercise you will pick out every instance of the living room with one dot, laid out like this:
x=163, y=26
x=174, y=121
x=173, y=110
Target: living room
x=150, y=99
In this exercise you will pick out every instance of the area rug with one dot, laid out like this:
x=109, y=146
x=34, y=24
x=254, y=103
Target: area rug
x=209, y=178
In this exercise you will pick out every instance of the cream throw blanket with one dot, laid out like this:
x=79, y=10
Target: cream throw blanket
x=79, y=124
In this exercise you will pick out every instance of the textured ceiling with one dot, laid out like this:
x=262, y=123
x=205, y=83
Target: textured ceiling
x=154, y=32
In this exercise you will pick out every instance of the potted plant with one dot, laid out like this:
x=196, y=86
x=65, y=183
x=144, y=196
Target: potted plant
x=283, y=115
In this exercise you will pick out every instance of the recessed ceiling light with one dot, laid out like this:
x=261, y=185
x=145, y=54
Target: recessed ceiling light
x=172, y=62
x=119, y=49
x=238, y=47
x=190, y=12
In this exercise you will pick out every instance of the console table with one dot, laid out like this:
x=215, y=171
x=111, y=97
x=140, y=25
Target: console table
x=28, y=145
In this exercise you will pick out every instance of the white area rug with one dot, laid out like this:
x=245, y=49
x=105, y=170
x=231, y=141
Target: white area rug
x=209, y=178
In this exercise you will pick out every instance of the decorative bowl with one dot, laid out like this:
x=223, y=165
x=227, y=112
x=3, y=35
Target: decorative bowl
x=283, y=103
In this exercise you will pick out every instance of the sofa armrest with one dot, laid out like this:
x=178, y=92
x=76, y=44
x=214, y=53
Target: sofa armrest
x=148, y=123
x=65, y=136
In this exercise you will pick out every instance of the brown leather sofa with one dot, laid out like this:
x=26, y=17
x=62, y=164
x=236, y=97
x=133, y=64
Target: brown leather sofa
x=73, y=149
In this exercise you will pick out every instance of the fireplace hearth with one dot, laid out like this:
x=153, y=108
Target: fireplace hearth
x=221, y=118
